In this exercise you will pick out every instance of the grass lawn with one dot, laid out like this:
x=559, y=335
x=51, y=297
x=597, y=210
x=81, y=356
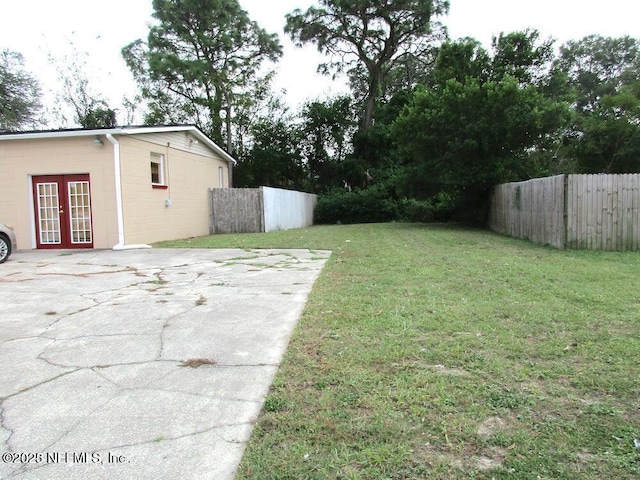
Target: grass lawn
x=429, y=351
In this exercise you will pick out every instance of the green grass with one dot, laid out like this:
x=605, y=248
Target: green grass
x=440, y=352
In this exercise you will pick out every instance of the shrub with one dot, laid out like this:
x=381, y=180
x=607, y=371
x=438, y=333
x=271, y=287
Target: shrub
x=375, y=205
x=372, y=205
x=417, y=211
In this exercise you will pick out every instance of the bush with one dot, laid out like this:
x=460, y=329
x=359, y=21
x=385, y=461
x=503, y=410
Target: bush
x=416, y=211
x=372, y=205
x=375, y=205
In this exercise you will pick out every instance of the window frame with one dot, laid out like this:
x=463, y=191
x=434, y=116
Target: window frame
x=158, y=159
x=220, y=177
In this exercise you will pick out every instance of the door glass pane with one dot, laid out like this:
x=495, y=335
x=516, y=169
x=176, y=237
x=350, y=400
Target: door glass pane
x=80, y=211
x=49, y=213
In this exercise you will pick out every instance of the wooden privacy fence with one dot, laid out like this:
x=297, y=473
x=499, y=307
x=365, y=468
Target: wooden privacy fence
x=533, y=210
x=594, y=212
x=264, y=209
x=235, y=210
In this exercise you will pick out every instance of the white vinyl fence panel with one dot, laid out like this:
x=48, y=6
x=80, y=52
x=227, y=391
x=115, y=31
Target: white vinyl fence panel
x=286, y=209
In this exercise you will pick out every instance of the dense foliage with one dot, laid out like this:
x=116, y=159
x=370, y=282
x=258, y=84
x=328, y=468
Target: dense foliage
x=201, y=63
x=604, y=75
x=19, y=93
x=370, y=39
x=468, y=132
x=375, y=205
x=430, y=125
x=515, y=112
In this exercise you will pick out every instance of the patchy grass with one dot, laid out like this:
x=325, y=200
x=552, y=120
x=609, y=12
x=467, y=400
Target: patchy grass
x=441, y=352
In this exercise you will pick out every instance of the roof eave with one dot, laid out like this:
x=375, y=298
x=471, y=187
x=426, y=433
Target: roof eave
x=122, y=131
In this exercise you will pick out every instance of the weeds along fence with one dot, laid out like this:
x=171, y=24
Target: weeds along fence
x=254, y=210
x=593, y=212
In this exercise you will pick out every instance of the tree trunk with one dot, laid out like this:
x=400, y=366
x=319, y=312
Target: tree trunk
x=375, y=82
x=229, y=134
x=367, y=119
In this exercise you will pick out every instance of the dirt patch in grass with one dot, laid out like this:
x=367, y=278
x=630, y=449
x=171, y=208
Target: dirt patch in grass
x=465, y=460
x=491, y=426
x=449, y=370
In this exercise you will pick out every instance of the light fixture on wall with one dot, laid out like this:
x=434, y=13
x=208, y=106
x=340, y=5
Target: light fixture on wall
x=97, y=142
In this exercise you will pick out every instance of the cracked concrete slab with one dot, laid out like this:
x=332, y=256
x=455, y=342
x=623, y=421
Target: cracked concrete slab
x=146, y=364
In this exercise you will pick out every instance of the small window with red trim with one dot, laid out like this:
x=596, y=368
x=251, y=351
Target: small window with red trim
x=157, y=170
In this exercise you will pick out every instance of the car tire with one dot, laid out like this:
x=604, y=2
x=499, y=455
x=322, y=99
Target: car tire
x=5, y=248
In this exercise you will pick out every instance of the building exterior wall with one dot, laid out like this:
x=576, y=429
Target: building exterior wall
x=177, y=209
x=153, y=213
x=22, y=159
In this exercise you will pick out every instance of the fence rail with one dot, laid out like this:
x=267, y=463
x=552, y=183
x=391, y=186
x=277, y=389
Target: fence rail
x=593, y=212
x=254, y=210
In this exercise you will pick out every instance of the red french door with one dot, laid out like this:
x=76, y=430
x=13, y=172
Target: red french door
x=62, y=206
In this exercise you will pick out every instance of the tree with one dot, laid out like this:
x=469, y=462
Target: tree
x=98, y=116
x=325, y=128
x=200, y=62
x=459, y=60
x=275, y=158
x=479, y=122
x=369, y=38
x=609, y=137
x=19, y=94
x=88, y=108
x=604, y=75
x=597, y=66
x=521, y=55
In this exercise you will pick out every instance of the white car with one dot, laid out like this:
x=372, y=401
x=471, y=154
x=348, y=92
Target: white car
x=8, y=241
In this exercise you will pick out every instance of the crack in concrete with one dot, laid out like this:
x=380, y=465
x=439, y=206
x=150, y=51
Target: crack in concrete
x=191, y=393
x=97, y=303
x=30, y=467
x=166, y=325
x=89, y=367
x=31, y=387
x=114, y=383
x=96, y=335
x=23, y=468
x=186, y=435
x=84, y=275
x=146, y=386
x=152, y=377
x=4, y=426
x=80, y=421
x=15, y=339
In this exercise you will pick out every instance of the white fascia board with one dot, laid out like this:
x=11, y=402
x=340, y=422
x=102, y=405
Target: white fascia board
x=58, y=134
x=124, y=131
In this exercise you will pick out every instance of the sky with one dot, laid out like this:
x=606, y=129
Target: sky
x=39, y=29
